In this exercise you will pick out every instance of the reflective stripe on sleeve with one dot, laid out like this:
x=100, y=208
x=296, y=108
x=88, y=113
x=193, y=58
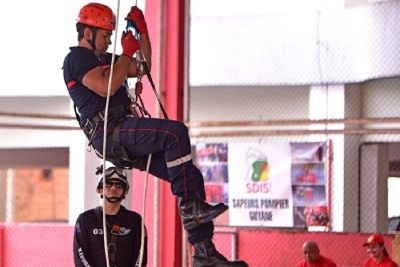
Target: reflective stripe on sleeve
x=179, y=161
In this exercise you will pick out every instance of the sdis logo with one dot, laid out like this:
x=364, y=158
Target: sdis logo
x=258, y=174
x=259, y=177
x=259, y=187
x=260, y=170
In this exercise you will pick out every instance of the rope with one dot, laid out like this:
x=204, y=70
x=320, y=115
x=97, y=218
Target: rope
x=104, y=151
x=104, y=157
x=141, y=110
x=105, y=136
x=144, y=197
x=143, y=211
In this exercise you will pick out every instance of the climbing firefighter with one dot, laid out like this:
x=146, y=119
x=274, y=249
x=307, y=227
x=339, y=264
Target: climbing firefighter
x=130, y=138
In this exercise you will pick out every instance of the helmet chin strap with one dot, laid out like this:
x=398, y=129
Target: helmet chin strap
x=114, y=199
x=92, y=42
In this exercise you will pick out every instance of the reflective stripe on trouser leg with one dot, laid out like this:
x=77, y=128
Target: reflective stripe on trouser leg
x=167, y=140
x=176, y=168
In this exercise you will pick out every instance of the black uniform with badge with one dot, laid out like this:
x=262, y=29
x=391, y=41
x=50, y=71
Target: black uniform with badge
x=89, y=240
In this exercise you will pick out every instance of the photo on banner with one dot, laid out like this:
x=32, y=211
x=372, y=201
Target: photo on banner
x=266, y=184
x=309, y=182
x=212, y=161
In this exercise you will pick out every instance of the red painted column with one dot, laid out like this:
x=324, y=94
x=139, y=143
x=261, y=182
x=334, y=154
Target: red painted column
x=173, y=57
x=167, y=37
x=172, y=70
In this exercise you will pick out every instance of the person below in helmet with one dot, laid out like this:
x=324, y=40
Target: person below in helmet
x=124, y=227
x=86, y=71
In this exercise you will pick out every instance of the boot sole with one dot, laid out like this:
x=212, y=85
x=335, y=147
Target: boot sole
x=194, y=224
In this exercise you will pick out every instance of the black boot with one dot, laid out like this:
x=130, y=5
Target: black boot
x=194, y=211
x=205, y=254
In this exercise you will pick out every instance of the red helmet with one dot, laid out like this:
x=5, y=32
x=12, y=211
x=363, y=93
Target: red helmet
x=97, y=15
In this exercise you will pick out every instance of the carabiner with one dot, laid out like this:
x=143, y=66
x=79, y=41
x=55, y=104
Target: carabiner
x=132, y=25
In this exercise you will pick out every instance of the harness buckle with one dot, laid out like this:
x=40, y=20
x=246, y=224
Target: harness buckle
x=90, y=125
x=112, y=247
x=101, y=115
x=115, y=230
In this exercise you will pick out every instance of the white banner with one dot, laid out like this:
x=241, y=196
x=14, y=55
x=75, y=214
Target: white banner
x=260, y=192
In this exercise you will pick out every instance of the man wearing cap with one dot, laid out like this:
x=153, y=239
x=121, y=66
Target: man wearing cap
x=313, y=258
x=124, y=228
x=378, y=253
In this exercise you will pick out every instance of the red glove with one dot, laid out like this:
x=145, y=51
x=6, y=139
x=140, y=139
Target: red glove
x=137, y=18
x=129, y=44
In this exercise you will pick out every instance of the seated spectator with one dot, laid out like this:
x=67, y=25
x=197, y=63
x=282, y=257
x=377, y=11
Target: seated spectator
x=313, y=258
x=378, y=253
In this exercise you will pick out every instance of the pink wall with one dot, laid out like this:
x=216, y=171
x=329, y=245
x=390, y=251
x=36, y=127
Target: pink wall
x=50, y=245
x=36, y=245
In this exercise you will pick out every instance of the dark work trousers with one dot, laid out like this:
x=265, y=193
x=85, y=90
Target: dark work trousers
x=169, y=143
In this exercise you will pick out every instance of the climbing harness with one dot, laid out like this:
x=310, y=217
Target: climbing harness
x=114, y=233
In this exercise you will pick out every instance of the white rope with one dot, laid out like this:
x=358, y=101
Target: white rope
x=143, y=211
x=105, y=136
x=144, y=194
x=104, y=158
